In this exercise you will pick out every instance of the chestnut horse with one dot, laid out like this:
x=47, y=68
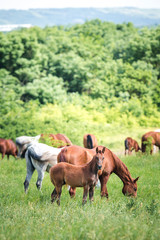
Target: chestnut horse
x=61, y=139
x=85, y=176
x=153, y=138
x=130, y=145
x=8, y=147
x=90, y=141
x=112, y=164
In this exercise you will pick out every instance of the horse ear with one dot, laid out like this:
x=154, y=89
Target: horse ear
x=136, y=179
x=96, y=149
x=103, y=150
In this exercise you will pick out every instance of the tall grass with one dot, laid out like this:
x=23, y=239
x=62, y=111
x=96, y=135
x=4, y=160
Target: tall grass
x=32, y=216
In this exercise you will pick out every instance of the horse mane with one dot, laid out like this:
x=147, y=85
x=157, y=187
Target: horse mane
x=121, y=170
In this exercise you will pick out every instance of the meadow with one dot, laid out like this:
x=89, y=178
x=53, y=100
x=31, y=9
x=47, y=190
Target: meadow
x=99, y=78
x=32, y=216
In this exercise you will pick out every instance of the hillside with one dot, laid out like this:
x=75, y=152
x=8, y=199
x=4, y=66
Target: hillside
x=67, y=16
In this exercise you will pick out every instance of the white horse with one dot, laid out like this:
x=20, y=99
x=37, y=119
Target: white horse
x=41, y=157
x=38, y=156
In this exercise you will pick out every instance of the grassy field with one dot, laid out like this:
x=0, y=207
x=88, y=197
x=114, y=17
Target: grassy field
x=32, y=216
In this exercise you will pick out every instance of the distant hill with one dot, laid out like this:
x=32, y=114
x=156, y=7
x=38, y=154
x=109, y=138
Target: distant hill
x=69, y=16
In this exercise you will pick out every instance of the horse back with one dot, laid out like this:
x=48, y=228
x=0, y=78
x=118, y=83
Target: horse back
x=75, y=155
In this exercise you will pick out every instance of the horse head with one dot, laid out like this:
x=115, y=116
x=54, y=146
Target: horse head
x=99, y=157
x=130, y=188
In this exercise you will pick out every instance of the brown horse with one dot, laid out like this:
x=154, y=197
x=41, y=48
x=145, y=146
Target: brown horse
x=90, y=141
x=59, y=138
x=130, y=145
x=153, y=138
x=8, y=147
x=85, y=176
x=112, y=164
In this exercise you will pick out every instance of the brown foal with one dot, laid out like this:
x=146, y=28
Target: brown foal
x=85, y=176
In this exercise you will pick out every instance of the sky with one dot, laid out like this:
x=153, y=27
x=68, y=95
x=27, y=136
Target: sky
x=26, y=4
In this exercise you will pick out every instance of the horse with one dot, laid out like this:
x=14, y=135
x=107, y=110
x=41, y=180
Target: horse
x=41, y=157
x=153, y=138
x=130, y=145
x=61, y=139
x=90, y=141
x=85, y=176
x=77, y=155
x=8, y=147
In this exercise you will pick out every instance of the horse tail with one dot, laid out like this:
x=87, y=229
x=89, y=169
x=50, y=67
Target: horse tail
x=126, y=144
x=33, y=154
x=29, y=161
x=89, y=142
x=143, y=147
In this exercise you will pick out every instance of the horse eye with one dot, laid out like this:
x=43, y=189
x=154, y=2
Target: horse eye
x=135, y=189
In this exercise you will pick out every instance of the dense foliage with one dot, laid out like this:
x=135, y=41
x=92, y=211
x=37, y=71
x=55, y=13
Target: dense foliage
x=97, y=72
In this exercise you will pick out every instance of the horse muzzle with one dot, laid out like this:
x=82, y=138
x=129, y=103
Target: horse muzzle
x=99, y=167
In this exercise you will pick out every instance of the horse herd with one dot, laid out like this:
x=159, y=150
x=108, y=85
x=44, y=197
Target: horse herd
x=149, y=139
x=74, y=165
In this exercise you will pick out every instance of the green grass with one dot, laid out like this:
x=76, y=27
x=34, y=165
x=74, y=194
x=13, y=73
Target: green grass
x=32, y=216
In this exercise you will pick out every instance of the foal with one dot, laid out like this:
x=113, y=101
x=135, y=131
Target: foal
x=85, y=176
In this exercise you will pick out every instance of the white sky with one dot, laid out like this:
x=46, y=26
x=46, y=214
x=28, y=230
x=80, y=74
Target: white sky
x=26, y=4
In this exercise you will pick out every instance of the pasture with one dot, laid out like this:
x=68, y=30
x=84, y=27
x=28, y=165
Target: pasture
x=32, y=216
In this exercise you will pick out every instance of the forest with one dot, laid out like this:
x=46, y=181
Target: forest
x=95, y=77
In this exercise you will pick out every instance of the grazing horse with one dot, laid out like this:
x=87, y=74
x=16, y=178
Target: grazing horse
x=112, y=164
x=90, y=141
x=8, y=147
x=58, y=138
x=85, y=176
x=130, y=145
x=153, y=138
x=41, y=157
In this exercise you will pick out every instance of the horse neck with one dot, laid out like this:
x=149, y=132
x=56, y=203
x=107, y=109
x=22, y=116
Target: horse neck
x=121, y=170
x=92, y=166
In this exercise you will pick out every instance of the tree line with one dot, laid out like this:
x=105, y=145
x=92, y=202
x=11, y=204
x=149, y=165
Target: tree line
x=114, y=65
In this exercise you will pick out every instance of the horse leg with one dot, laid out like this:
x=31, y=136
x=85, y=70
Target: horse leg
x=91, y=193
x=3, y=154
x=53, y=195
x=59, y=191
x=85, y=193
x=40, y=178
x=8, y=156
x=30, y=171
x=103, y=179
x=129, y=152
x=151, y=151
x=72, y=192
